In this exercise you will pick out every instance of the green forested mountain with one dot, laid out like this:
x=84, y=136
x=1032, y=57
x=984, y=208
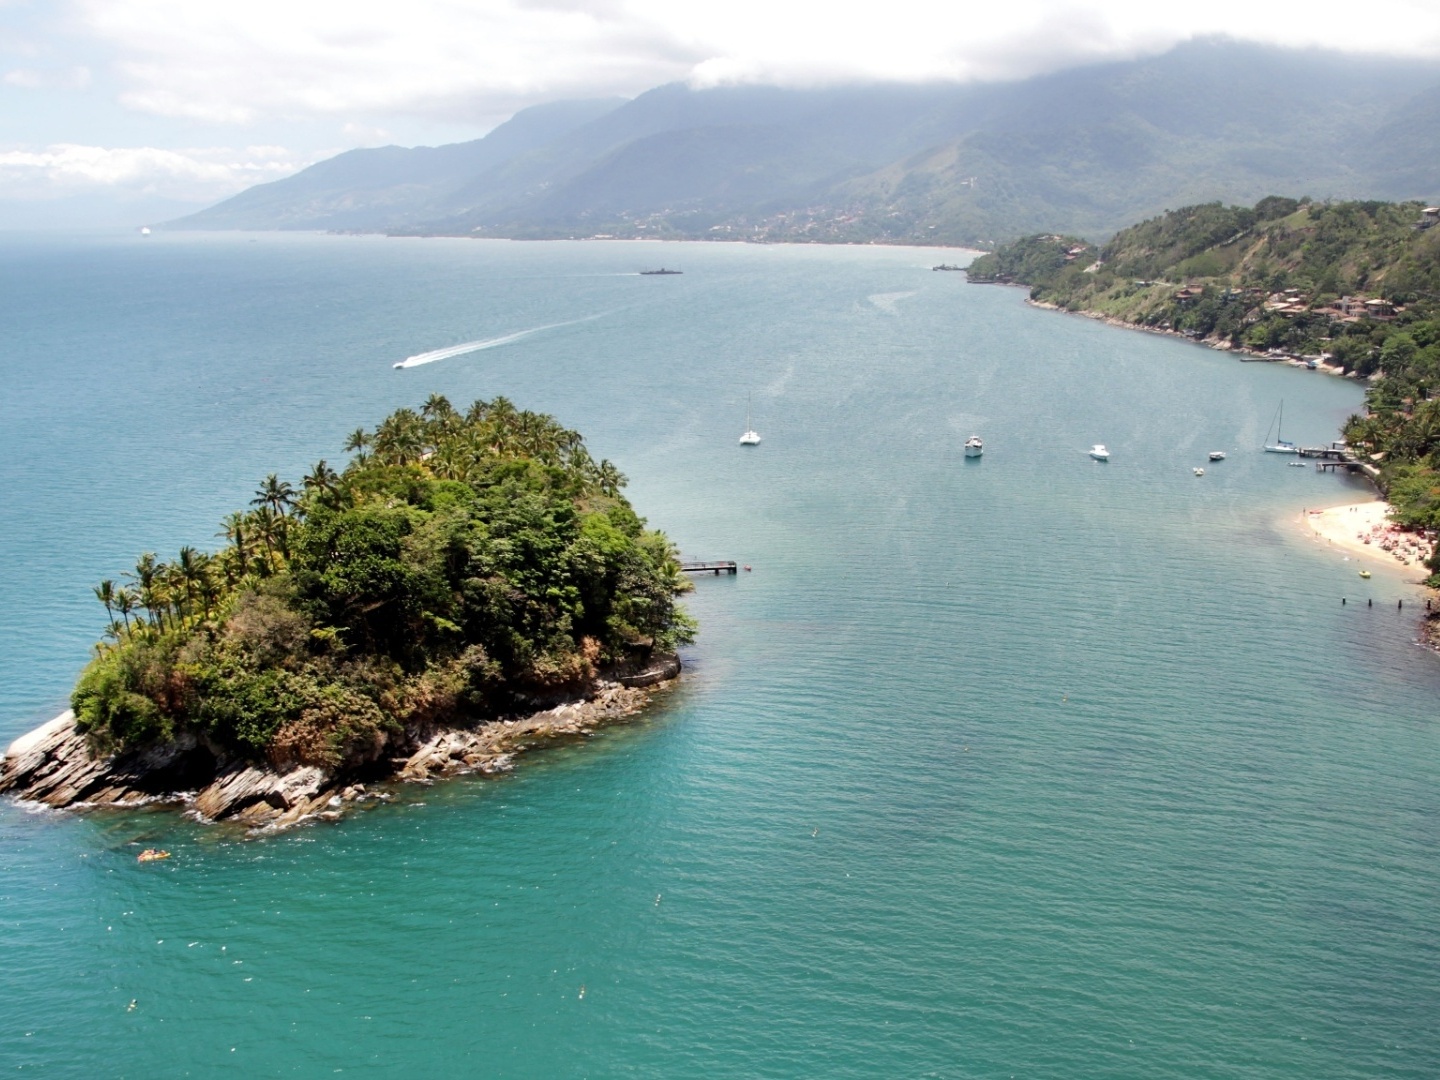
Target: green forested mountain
x=1085, y=151
x=460, y=563
x=1356, y=284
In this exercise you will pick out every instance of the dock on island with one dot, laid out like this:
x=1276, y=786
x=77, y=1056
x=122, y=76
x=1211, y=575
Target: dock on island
x=724, y=566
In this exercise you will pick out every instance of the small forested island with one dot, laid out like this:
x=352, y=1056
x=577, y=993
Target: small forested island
x=406, y=616
x=1351, y=287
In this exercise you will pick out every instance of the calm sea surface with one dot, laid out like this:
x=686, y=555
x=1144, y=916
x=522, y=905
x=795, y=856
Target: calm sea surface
x=1024, y=766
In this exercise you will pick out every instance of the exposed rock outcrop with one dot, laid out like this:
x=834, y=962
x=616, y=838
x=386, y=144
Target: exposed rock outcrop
x=53, y=764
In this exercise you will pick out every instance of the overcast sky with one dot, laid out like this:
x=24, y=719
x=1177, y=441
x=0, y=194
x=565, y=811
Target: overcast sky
x=195, y=99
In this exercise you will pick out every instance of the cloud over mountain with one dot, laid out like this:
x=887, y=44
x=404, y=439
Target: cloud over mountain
x=481, y=60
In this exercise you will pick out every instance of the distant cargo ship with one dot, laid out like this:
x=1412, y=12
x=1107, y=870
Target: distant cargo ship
x=946, y=266
x=656, y=273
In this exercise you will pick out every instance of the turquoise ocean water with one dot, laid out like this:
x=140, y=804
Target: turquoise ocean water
x=1020, y=767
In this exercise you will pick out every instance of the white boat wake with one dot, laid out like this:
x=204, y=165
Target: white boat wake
x=489, y=343
x=886, y=301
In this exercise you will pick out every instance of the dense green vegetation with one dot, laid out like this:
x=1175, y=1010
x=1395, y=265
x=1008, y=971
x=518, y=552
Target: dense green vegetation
x=459, y=562
x=1031, y=259
x=1355, y=284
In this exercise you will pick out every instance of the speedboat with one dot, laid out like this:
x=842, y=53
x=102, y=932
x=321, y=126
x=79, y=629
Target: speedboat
x=1198, y=471
x=1099, y=453
x=1217, y=455
x=974, y=446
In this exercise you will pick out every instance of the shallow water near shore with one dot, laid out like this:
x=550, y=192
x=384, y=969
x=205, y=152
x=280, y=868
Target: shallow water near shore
x=1026, y=765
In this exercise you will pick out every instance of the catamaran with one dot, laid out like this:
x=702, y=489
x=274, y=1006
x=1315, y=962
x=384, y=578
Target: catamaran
x=1279, y=446
x=751, y=436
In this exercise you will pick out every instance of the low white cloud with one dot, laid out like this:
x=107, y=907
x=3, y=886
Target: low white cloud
x=478, y=60
x=265, y=59
x=195, y=175
x=73, y=78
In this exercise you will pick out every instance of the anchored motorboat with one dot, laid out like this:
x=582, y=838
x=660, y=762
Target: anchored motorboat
x=974, y=446
x=1198, y=471
x=1217, y=455
x=1099, y=453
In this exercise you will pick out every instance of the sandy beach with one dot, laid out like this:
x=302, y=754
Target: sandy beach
x=1364, y=530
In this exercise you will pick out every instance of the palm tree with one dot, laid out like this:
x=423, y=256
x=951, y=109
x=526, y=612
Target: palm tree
x=125, y=603
x=437, y=407
x=153, y=603
x=265, y=521
x=105, y=593
x=171, y=586
x=234, y=528
x=323, y=483
x=359, y=439
x=610, y=479
x=191, y=570
x=144, y=576
x=399, y=439
x=321, y=477
x=274, y=493
x=208, y=586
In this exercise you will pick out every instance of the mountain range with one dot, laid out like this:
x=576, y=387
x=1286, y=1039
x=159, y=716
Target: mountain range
x=1085, y=151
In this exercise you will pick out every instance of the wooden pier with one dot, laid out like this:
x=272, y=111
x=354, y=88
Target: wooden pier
x=717, y=568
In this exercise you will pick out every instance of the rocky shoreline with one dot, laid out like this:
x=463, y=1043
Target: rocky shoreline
x=1219, y=344
x=53, y=766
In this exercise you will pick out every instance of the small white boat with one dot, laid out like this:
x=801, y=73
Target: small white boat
x=1198, y=471
x=1217, y=455
x=751, y=437
x=1296, y=464
x=144, y=230
x=1277, y=425
x=1099, y=453
x=974, y=446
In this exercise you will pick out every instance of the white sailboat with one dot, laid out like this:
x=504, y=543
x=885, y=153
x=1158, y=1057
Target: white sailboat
x=751, y=436
x=1280, y=445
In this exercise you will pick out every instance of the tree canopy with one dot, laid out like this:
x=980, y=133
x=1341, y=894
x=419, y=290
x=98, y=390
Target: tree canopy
x=459, y=562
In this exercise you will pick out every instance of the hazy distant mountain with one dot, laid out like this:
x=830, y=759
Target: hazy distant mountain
x=1084, y=151
x=385, y=188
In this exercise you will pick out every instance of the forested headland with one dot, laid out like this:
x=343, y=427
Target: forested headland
x=1352, y=285
x=461, y=564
